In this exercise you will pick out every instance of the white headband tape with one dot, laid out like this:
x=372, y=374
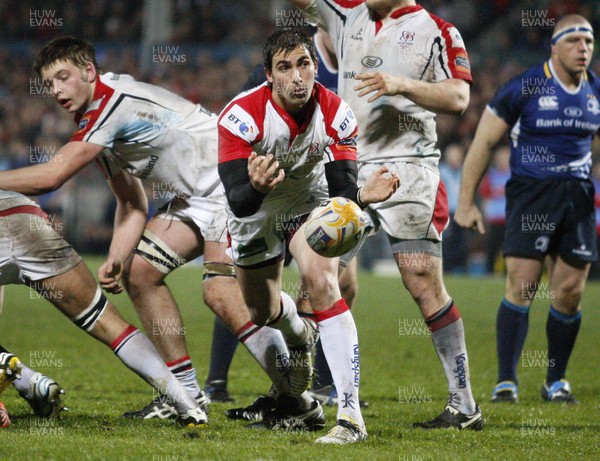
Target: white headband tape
x=562, y=33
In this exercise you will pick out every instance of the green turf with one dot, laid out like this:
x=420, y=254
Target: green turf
x=401, y=379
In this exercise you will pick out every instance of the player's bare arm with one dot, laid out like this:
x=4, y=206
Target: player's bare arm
x=446, y=97
x=130, y=221
x=49, y=176
x=490, y=130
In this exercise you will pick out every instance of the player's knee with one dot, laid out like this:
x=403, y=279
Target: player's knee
x=568, y=295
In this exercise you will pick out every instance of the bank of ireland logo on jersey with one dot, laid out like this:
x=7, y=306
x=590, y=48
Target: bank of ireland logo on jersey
x=240, y=123
x=548, y=103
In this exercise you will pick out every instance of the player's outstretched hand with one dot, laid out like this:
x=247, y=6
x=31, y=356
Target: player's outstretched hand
x=109, y=275
x=379, y=186
x=469, y=217
x=262, y=170
x=384, y=84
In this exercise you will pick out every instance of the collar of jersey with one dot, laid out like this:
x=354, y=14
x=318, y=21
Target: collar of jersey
x=405, y=10
x=549, y=69
x=295, y=129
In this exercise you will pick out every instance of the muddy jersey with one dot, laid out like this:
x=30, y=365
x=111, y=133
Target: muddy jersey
x=412, y=43
x=253, y=122
x=152, y=134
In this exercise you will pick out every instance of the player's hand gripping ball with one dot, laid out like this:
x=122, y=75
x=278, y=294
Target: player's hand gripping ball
x=335, y=227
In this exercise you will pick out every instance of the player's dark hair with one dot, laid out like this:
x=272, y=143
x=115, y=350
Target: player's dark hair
x=65, y=48
x=287, y=39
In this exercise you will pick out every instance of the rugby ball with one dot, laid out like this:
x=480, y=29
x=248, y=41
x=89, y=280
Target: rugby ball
x=335, y=227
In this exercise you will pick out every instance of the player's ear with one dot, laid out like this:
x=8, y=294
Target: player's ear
x=90, y=71
x=269, y=75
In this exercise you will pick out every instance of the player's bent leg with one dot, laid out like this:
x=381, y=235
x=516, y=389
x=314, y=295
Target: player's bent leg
x=223, y=295
x=421, y=270
x=338, y=336
x=165, y=245
x=567, y=282
x=82, y=300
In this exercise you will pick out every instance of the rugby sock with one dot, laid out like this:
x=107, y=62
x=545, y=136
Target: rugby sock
x=448, y=335
x=512, y=324
x=340, y=345
x=224, y=344
x=561, y=330
x=137, y=352
x=268, y=348
x=324, y=377
x=186, y=374
x=289, y=322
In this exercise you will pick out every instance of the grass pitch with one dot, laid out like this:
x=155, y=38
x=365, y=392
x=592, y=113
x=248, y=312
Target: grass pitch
x=401, y=376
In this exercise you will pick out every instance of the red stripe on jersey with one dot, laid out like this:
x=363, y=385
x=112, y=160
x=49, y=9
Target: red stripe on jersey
x=24, y=209
x=86, y=121
x=440, y=213
x=398, y=14
x=349, y=3
x=405, y=10
x=290, y=121
x=330, y=104
x=343, y=151
x=458, y=59
x=232, y=147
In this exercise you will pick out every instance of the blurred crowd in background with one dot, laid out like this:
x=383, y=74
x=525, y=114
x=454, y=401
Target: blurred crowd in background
x=212, y=47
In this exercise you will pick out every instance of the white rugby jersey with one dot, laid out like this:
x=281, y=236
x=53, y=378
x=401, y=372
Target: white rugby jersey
x=152, y=134
x=412, y=43
x=253, y=122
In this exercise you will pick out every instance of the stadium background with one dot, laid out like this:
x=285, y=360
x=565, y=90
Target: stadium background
x=204, y=50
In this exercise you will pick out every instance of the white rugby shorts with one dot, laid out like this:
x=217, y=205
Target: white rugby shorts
x=30, y=248
x=209, y=214
x=418, y=210
x=261, y=237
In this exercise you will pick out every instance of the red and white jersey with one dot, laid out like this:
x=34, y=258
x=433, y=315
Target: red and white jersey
x=152, y=134
x=253, y=122
x=411, y=43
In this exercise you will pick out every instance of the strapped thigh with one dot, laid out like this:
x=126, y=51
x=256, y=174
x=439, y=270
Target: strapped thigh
x=158, y=253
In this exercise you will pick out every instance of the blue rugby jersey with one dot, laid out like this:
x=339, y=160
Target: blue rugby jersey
x=552, y=127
